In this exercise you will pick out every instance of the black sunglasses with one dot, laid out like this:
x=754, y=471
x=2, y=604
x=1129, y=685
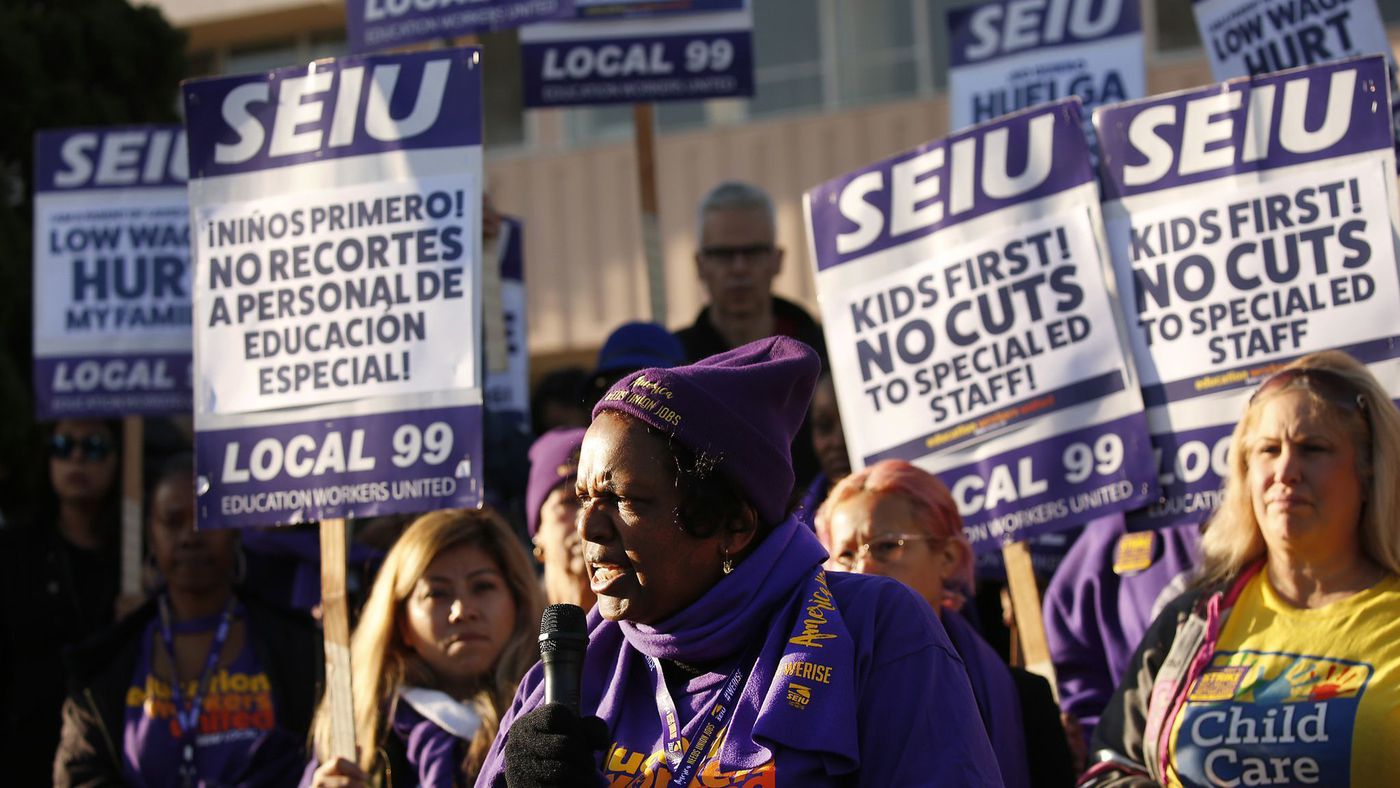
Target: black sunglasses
x=91, y=447
x=1328, y=385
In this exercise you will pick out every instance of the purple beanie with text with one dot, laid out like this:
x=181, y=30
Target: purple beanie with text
x=740, y=408
x=553, y=462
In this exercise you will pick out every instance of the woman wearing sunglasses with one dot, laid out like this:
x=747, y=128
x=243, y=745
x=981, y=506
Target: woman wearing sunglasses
x=58, y=586
x=1282, y=666
x=898, y=521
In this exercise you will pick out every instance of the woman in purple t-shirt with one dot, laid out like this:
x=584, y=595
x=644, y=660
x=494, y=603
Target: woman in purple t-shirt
x=447, y=632
x=200, y=686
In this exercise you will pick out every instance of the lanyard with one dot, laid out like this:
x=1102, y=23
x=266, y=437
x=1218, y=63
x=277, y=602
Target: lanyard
x=187, y=720
x=683, y=768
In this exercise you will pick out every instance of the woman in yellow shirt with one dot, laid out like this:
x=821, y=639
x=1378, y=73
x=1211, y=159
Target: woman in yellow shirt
x=1282, y=666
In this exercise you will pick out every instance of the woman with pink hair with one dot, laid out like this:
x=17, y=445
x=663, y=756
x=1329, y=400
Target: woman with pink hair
x=895, y=520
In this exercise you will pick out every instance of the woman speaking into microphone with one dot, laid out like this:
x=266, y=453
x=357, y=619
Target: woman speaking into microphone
x=719, y=650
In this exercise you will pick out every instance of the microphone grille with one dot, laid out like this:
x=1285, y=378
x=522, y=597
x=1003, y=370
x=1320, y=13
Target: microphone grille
x=563, y=619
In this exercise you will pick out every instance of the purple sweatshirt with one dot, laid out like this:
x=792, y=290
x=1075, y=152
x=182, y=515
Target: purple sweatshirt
x=997, y=699
x=853, y=676
x=434, y=752
x=1095, y=617
x=236, y=716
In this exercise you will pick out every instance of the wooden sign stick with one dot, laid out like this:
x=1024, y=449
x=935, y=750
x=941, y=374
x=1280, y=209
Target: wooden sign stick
x=644, y=128
x=335, y=623
x=1025, y=602
x=133, y=448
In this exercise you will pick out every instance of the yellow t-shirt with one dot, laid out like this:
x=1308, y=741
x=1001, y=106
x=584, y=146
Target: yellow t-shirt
x=1297, y=696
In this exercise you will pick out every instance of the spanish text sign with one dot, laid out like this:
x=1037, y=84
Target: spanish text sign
x=111, y=272
x=380, y=24
x=336, y=219
x=637, y=51
x=1246, y=38
x=971, y=325
x=1007, y=55
x=1250, y=223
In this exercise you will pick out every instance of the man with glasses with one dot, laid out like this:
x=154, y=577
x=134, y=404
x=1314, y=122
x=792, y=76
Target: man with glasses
x=737, y=260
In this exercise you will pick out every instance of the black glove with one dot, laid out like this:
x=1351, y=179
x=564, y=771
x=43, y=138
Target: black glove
x=552, y=746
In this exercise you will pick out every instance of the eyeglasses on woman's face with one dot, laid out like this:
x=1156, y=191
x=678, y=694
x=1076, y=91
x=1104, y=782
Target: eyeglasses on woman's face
x=885, y=549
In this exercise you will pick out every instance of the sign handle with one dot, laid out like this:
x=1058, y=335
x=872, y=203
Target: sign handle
x=1025, y=603
x=644, y=127
x=133, y=448
x=335, y=622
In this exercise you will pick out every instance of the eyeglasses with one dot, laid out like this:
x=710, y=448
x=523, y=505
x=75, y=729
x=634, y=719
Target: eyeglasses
x=1329, y=385
x=885, y=550
x=723, y=254
x=93, y=448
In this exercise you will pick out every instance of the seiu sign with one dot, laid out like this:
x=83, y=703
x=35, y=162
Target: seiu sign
x=119, y=157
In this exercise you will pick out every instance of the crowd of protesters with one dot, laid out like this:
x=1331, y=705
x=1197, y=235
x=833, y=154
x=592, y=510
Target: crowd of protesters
x=759, y=613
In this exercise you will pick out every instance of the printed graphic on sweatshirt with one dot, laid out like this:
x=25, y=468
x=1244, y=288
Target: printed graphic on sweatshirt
x=238, y=706
x=627, y=768
x=1256, y=718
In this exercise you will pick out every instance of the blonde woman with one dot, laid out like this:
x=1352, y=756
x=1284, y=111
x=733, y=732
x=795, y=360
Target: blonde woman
x=449, y=628
x=1283, y=667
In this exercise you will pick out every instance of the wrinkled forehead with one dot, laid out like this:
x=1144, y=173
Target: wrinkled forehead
x=868, y=515
x=81, y=428
x=619, y=446
x=729, y=223
x=1297, y=409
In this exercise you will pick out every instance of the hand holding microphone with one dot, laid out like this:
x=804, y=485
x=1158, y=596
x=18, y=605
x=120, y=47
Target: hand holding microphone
x=552, y=745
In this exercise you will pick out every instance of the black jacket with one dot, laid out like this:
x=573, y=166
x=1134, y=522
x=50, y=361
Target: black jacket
x=53, y=596
x=288, y=648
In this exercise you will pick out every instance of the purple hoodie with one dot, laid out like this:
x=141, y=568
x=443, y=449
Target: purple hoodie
x=854, y=676
x=997, y=699
x=1095, y=617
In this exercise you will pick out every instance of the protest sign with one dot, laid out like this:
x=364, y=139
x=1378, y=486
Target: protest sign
x=1250, y=223
x=336, y=215
x=507, y=351
x=111, y=272
x=971, y=324
x=1246, y=38
x=1007, y=55
x=636, y=51
x=380, y=24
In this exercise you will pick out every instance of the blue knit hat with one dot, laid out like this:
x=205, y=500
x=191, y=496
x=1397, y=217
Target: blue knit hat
x=553, y=463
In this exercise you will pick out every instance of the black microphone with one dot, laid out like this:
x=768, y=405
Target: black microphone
x=563, y=639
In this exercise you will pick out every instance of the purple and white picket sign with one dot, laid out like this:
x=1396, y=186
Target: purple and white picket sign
x=111, y=272
x=1246, y=38
x=970, y=322
x=507, y=346
x=1250, y=223
x=372, y=25
x=632, y=9
x=631, y=52
x=1007, y=55
x=335, y=210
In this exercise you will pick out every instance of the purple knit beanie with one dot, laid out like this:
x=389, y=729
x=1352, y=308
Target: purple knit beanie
x=740, y=408
x=553, y=462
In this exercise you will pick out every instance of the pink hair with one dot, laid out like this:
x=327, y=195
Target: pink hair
x=933, y=506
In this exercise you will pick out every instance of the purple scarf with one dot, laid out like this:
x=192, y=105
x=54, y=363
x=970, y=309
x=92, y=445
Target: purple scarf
x=776, y=594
